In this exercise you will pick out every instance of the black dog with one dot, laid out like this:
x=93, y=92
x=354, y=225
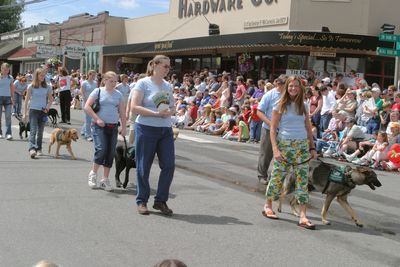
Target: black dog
x=24, y=127
x=124, y=158
x=53, y=115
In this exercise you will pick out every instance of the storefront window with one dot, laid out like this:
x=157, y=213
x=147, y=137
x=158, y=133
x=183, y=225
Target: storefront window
x=357, y=64
x=316, y=64
x=206, y=62
x=193, y=64
x=297, y=62
x=374, y=66
x=177, y=65
x=280, y=64
x=266, y=66
x=335, y=65
x=389, y=68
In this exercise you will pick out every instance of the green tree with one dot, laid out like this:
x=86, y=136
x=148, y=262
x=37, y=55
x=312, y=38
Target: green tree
x=10, y=15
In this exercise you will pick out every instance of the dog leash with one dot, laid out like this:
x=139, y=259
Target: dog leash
x=296, y=164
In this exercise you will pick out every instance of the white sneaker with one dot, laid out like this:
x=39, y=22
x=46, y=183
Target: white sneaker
x=356, y=161
x=9, y=137
x=92, y=179
x=90, y=139
x=348, y=157
x=106, y=185
x=328, y=153
x=32, y=153
x=39, y=153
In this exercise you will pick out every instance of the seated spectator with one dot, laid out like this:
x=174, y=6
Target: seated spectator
x=394, y=117
x=377, y=154
x=384, y=116
x=336, y=124
x=352, y=135
x=182, y=117
x=396, y=105
x=225, y=127
x=203, y=118
x=348, y=103
x=240, y=132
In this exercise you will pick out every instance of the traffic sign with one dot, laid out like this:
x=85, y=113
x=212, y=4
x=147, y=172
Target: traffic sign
x=381, y=51
x=389, y=37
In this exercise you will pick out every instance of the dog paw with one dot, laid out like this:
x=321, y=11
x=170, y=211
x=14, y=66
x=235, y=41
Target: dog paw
x=359, y=224
x=279, y=210
x=73, y=158
x=57, y=157
x=325, y=222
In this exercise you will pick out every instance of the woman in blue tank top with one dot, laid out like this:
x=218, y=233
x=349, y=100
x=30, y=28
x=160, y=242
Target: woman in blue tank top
x=292, y=145
x=6, y=98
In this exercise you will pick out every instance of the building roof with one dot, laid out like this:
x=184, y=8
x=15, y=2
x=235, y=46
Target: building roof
x=23, y=53
x=7, y=48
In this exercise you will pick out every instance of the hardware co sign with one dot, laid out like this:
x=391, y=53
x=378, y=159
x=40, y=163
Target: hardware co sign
x=74, y=51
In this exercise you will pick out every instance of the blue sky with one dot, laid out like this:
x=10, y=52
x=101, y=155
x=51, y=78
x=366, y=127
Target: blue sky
x=59, y=10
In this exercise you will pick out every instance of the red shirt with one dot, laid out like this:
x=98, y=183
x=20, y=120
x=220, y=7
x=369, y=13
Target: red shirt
x=254, y=115
x=240, y=90
x=193, y=112
x=396, y=106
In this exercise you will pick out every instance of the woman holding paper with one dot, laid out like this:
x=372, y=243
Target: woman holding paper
x=153, y=101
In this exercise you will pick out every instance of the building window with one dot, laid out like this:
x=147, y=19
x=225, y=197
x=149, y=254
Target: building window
x=357, y=64
x=297, y=62
x=316, y=64
x=335, y=65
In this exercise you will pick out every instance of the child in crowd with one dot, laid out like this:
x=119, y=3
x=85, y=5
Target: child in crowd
x=377, y=154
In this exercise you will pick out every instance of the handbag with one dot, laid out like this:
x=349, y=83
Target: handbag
x=96, y=104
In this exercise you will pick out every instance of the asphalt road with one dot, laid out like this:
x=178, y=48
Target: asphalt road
x=49, y=212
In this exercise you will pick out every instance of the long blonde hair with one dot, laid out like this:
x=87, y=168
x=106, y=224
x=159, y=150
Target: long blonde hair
x=286, y=100
x=156, y=60
x=36, y=83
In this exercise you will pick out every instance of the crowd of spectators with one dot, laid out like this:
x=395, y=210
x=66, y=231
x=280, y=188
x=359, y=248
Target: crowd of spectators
x=351, y=119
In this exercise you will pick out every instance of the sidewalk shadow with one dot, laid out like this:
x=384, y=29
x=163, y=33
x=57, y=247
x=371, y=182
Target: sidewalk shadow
x=205, y=219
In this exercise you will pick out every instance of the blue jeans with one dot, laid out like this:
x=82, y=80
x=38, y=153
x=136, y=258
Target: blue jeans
x=105, y=141
x=150, y=141
x=5, y=101
x=86, y=129
x=372, y=125
x=17, y=103
x=37, y=123
x=255, y=130
x=324, y=123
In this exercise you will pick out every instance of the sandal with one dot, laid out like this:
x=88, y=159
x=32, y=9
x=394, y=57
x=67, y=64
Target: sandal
x=307, y=225
x=269, y=213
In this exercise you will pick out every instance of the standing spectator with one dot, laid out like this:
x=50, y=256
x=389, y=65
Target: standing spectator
x=6, y=98
x=64, y=85
x=374, y=122
x=255, y=123
x=87, y=88
x=292, y=146
x=250, y=87
x=265, y=114
x=328, y=105
x=105, y=127
x=315, y=108
x=39, y=97
x=226, y=92
x=153, y=101
x=20, y=86
x=259, y=91
x=240, y=91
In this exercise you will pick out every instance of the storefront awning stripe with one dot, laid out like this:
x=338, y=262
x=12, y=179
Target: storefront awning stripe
x=254, y=39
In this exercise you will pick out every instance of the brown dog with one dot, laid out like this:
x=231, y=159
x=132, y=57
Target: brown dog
x=322, y=180
x=63, y=137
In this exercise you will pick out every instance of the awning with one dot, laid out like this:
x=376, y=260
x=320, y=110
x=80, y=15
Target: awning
x=24, y=54
x=254, y=39
x=7, y=48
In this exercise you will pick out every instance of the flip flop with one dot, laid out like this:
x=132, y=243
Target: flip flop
x=270, y=215
x=307, y=225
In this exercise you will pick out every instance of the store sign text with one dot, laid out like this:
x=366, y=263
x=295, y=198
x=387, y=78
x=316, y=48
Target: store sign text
x=10, y=36
x=307, y=37
x=163, y=45
x=265, y=22
x=188, y=8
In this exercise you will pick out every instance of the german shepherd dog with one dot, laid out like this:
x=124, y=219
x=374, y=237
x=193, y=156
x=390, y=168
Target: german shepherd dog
x=319, y=179
x=53, y=115
x=124, y=158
